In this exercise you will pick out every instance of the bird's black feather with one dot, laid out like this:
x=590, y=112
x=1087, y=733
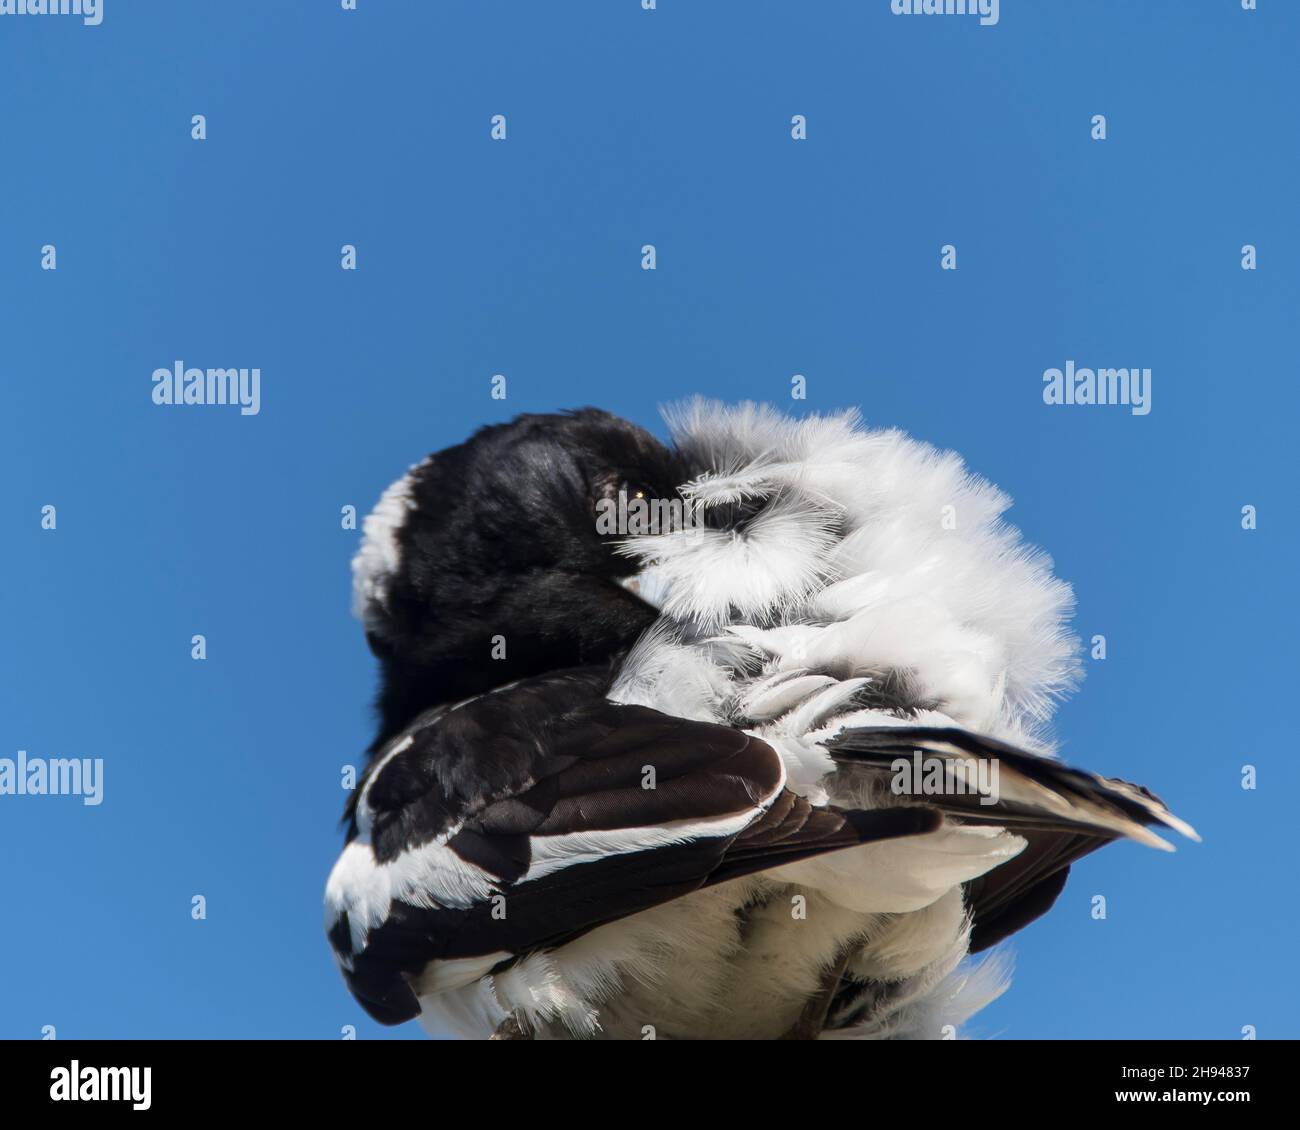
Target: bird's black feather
x=549, y=757
x=500, y=541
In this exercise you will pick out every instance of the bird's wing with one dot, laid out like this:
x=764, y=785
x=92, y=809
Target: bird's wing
x=529, y=816
x=1062, y=813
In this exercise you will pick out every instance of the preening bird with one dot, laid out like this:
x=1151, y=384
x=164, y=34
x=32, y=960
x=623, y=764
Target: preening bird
x=772, y=769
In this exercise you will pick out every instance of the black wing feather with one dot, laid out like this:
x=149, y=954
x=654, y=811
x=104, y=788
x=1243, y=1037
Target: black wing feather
x=1088, y=812
x=552, y=757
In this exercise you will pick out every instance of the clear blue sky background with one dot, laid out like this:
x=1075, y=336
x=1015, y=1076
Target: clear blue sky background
x=821, y=257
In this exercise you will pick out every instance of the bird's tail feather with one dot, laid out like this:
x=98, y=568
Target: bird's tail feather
x=1008, y=786
x=1062, y=813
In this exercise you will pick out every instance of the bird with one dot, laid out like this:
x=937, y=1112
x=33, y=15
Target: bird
x=773, y=770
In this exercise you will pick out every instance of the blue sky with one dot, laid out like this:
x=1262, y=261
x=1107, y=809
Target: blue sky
x=775, y=257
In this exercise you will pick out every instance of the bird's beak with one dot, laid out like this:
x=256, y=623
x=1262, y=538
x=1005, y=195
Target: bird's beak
x=642, y=584
x=632, y=584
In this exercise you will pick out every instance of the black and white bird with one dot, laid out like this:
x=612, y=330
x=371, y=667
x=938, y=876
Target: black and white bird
x=772, y=770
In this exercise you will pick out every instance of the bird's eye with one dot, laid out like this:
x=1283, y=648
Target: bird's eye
x=630, y=490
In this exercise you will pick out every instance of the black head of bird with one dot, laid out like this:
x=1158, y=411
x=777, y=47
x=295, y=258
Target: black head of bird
x=486, y=563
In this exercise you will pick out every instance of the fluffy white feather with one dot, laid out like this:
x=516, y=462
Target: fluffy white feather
x=379, y=557
x=875, y=552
